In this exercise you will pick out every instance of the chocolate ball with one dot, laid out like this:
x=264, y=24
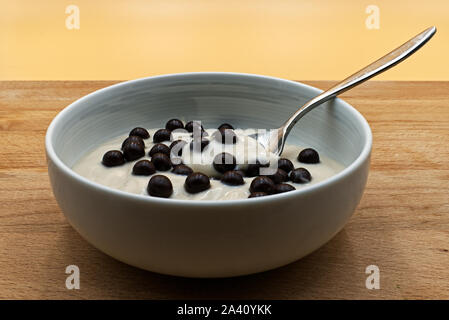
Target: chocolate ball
x=113, y=158
x=136, y=139
x=162, y=135
x=225, y=126
x=174, y=124
x=308, y=155
x=262, y=184
x=189, y=125
x=143, y=168
x=140, y=132
x=161, y=161
x=285, y=165
x=160, y=186
x=283, y=187
x=232, y=178
x=133, y=151
x=196, y=182
x=224, y=162
x=300, y=175
x=159, y=148
x=182, y=169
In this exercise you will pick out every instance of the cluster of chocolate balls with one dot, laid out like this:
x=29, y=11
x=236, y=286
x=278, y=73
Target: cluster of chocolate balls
x=162, y=156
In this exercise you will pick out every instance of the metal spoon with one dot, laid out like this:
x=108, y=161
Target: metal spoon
x=274, y=140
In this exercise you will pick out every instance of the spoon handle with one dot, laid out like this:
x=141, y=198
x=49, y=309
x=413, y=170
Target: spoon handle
x=379, y=66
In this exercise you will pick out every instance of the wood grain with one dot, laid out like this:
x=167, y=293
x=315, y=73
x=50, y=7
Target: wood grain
x=401, y=224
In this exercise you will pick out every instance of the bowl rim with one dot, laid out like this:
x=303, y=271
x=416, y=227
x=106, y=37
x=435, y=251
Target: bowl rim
x=362, y=157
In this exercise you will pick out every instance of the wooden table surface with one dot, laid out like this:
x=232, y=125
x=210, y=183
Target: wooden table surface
x=401, y=224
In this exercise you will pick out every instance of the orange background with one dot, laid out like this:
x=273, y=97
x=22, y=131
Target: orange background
x=295, y=39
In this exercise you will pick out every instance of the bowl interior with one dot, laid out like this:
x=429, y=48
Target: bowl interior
x=247, y=101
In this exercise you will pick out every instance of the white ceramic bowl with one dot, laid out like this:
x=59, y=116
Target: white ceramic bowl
x=208, y=238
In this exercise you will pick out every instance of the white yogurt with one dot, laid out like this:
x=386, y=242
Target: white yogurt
x=246, y=150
